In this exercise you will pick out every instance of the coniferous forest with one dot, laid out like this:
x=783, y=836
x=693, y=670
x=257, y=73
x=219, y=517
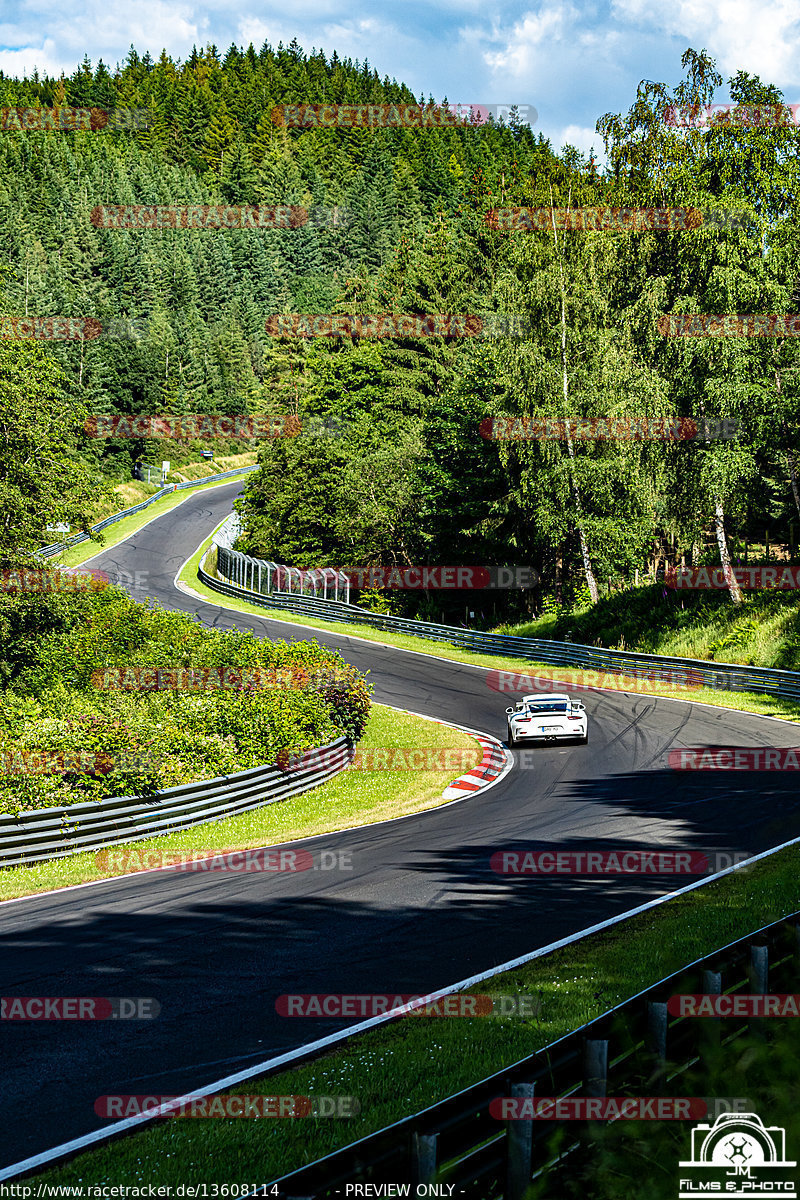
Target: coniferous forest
x=397, y=471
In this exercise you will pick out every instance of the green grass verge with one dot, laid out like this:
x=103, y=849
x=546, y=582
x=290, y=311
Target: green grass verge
x=763, y=631
x=75, y=555
x=769, y=706
x=354, y=797
x=399, y=1069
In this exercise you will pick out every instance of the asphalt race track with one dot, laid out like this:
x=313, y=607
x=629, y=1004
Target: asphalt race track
x=420, y=908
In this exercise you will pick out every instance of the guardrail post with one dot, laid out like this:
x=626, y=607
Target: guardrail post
x=595, y=1067
x=759, y=969
x=759, y=983
x=712, y=986
x=656, y=1041
x=519, y=1138
x=424, y=1148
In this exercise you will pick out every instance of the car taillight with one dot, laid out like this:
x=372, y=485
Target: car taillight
x=579, y=717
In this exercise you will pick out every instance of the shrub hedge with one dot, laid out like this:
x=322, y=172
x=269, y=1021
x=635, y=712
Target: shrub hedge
x=101, y=696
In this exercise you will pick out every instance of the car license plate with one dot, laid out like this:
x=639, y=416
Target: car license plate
x=551, y=729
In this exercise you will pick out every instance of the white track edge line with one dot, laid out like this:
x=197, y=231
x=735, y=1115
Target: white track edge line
x=251, y=1072
x=72, y=887
x=190, y=494
x=187, y=590
x=230, y=1081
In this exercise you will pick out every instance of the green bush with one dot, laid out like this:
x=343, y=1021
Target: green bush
x=64, y=738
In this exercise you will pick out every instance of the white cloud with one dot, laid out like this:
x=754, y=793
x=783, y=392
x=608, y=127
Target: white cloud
x=105, y=31
x=583, y=138
x=45, y=57
x=571, y=61
x=758, y=36
x=536, y=34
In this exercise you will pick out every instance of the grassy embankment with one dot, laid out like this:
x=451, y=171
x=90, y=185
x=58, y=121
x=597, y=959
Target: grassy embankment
x=354, y=797
x=402, y=1068
x=127, y=495
x=764, y=705
x=764, y=631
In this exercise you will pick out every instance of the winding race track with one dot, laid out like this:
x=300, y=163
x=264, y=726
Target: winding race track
x=420, y=908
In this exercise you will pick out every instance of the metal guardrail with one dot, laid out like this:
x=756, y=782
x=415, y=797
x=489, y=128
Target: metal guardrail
x=77, y=538
x=269, y=577
x=48, y=833
x=635, y=1049
x=690, y=672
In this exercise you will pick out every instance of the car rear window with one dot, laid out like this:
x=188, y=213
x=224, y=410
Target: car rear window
x=551, y=707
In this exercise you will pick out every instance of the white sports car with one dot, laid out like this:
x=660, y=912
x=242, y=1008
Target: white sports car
x=549, y=717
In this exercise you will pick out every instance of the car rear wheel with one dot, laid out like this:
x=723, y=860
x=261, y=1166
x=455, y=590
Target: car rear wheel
x=511, y=741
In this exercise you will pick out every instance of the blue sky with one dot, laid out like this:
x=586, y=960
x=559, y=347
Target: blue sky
x=571, y=62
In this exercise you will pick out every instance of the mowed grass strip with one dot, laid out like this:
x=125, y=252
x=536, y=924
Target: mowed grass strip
x=763, y=705
x=353, y=797
x=399, y=1069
